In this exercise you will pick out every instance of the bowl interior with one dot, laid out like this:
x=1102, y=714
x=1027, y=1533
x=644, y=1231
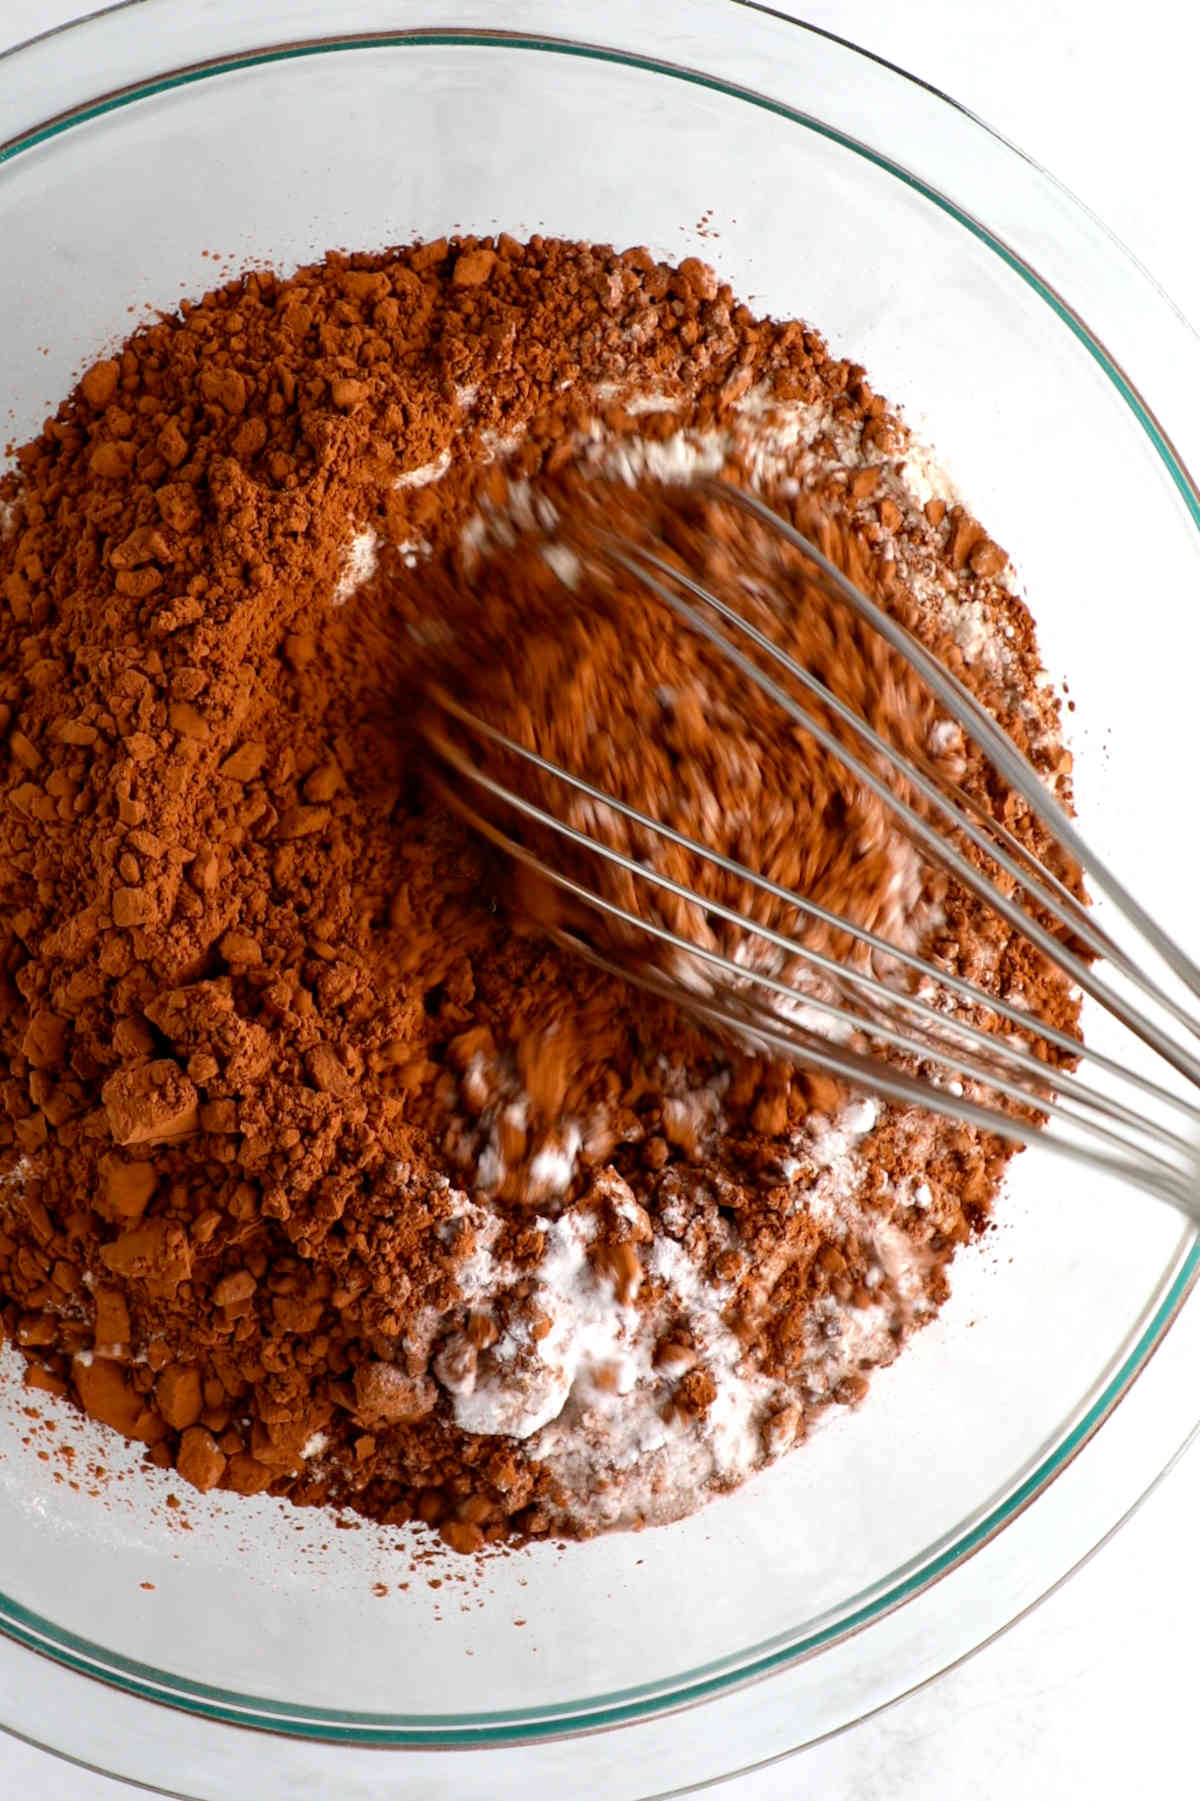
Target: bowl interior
x=270, y=1615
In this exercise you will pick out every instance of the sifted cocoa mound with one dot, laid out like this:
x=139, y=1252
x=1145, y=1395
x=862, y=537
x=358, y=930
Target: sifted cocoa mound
x=277, y=1069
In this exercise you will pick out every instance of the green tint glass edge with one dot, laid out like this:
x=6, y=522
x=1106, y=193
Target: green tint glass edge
x=623, y=1707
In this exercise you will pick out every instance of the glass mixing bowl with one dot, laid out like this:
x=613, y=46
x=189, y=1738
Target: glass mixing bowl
x=148, y=149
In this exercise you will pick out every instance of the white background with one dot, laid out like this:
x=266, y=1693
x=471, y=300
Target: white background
x=1093, y=1694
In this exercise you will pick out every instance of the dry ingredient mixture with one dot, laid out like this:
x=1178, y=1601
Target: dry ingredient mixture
x=324, y=1172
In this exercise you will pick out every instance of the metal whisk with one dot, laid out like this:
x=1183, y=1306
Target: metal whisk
x=1142, y=1124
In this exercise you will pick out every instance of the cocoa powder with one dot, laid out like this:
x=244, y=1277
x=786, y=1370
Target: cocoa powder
x=281, y=1068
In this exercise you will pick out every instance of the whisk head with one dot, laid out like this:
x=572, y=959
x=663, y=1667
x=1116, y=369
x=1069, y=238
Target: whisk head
x=784, y=954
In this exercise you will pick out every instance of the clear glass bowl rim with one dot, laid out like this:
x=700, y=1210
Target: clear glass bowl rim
x=690, y=1687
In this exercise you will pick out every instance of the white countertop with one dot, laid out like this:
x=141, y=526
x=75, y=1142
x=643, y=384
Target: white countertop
x=1093, y=1694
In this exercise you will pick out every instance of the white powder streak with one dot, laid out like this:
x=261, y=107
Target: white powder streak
x=924, y=476
x=427, y=473
x=412, y=551
x=359, y=565
x=550, y=1171
x=680, y=458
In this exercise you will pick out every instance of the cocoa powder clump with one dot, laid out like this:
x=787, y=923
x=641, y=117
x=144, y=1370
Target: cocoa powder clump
x=282, y=1067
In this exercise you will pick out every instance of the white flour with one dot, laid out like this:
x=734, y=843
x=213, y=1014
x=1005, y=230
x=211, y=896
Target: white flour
x=426, y=473
x=361, y=559
x=579, y=1375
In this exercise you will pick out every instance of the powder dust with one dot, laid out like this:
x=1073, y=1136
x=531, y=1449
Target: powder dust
x=324, y=1172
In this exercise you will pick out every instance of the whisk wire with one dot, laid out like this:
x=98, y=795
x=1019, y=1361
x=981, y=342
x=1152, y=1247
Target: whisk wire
x=1009, y=762
x=879, y=991
x=1151, y=1174
x=1107, y=1133
x=795, y=1038
x=938, y=849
